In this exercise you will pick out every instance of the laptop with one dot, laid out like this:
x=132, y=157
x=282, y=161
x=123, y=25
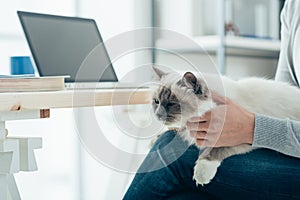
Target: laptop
x=71, y=46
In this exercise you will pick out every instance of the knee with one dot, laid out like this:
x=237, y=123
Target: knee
x=169, y=146
x=170, y=151
x=163, y=140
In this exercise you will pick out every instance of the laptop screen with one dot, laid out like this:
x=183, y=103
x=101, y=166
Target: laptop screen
x=67, y=46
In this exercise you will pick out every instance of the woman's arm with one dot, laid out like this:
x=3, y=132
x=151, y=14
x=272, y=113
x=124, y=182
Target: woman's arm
x=282, y=135
x=289, y=49
x=229, y=124
x=283, y=72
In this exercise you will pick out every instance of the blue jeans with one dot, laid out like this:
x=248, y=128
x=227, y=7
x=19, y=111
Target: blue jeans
x=260, y=174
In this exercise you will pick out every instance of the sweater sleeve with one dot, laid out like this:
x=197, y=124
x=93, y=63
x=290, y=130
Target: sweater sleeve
x=288, y=69
x=282, y=135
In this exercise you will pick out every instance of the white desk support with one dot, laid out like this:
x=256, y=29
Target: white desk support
x=16, y=154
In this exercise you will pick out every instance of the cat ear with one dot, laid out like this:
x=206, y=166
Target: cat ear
x=190, y=78
x=191, y=81
x=158, y=72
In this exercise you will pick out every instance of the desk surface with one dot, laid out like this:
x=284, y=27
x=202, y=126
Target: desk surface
x=72, y=98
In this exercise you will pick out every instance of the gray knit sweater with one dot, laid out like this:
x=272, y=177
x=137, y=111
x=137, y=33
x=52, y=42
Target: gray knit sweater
x=283, y=135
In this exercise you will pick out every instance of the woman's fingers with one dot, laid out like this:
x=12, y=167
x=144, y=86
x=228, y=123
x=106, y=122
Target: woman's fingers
x=219, y=99
x=198, y=134
x=203, y=142
x=197, y=119
x=197, y=126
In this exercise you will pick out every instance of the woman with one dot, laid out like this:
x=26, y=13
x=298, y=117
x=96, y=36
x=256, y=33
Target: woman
x=272, y=172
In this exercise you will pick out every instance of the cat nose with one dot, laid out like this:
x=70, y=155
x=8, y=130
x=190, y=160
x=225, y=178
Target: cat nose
x=161, y=116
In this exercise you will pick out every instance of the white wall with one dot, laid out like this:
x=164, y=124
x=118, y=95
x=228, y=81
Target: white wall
x=237, y=67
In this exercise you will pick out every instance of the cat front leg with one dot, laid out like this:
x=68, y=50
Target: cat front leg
x=205, y=170
x=210, y=159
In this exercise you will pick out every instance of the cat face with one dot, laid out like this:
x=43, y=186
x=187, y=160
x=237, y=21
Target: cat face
x=179, y=98
x=166, y=105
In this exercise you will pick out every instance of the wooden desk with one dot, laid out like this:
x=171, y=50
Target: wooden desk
x=72, y=98
x=16, y=154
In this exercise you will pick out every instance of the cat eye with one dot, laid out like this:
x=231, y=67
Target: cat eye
x=156, y=101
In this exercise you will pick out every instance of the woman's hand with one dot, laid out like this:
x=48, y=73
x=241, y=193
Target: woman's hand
x=228, y=124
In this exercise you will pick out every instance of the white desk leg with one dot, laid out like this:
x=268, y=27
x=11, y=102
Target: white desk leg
x=3, y=186
x=16, y=153
x=2, y=130
x=9, y=156
x=8, y=187
x=13, y=192
x=27, y=157
x=10, y=163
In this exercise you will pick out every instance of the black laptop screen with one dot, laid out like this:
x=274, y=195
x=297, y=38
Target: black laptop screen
x=67, y=46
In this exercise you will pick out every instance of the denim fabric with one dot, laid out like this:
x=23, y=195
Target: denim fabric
x=260, y=174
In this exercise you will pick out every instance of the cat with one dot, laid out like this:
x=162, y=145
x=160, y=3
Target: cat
x=178, y=98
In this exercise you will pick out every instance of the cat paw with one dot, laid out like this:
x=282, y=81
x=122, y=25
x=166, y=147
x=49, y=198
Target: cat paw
x=205, y=170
